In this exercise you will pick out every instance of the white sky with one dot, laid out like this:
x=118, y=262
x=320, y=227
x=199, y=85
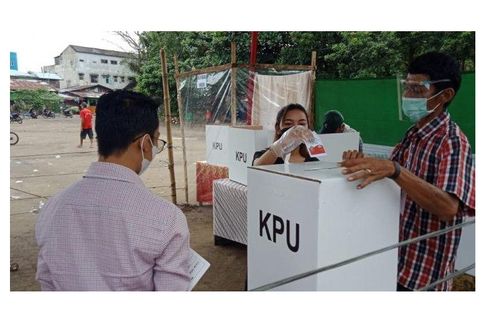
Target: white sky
x=34, y=52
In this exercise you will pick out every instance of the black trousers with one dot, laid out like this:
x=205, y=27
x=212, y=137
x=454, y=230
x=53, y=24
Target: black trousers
x=401, y=288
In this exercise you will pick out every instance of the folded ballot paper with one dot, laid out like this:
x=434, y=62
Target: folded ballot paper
x=197, y=268
x=315, y=146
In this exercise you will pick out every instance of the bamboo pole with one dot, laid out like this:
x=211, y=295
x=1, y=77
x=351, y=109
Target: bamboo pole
x=166, y=102
x=182, y=132
x=233, y=83
x=312, y=90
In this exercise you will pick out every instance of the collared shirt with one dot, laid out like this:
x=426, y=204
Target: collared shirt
x=109, y=232
x=440, y=154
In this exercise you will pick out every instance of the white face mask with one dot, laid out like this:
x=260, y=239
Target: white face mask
x=144, y=162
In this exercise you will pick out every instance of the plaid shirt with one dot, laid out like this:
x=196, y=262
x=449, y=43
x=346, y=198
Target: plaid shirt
x=109, y=232
x=440, y=154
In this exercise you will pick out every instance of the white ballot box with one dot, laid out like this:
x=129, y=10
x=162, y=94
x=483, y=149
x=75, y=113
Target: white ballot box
x=336, y=144
x=306, y=216
x=217, y=145
x=243, y=143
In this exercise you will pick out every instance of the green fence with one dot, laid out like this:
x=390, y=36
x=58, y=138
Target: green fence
x=370, y=106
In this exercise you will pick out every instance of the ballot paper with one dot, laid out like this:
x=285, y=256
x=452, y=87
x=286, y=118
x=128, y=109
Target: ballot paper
x=197, y=268
x=315, y=146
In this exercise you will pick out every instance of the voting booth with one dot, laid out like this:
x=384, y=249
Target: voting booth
x=466, y=249
x=336, y=144
x=306, y=216
x=243, y=143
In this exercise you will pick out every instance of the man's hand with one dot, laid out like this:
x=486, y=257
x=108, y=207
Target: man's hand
x=367, y=169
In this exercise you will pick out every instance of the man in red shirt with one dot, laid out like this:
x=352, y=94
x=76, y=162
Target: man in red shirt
x=86, y=125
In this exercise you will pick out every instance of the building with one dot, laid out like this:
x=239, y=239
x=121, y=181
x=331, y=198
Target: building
x=84, y=66
x=18, y=79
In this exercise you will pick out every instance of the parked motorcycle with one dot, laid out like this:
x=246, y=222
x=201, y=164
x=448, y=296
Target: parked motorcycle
x=15, y=117
x=67, y=113
x=33, y=113
x=47, y=113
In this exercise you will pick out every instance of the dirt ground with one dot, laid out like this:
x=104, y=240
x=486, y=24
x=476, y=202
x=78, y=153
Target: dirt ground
x=46, y=160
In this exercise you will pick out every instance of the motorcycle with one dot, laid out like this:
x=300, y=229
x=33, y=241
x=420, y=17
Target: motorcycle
x=47, y=113
x=67, y=113
x=33, y=113
x=15, y=117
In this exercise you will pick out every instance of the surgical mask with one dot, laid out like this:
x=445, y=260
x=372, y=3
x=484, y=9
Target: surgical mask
x=146, y=163
x=416, y=108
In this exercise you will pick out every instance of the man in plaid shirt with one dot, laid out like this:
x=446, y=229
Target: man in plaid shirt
x=434, y=168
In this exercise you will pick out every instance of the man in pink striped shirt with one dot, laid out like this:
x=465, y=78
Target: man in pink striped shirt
x=108, y=231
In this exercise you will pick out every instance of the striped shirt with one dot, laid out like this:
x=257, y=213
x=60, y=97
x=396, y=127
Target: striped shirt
x=109, y=232
x=440, y=154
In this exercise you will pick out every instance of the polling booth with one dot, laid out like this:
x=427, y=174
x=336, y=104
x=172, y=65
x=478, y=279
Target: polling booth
x=466, y=249
x=306, y=216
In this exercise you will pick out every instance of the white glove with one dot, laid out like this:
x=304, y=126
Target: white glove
x=290, y=140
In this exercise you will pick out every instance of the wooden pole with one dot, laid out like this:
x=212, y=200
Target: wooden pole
x=166, y=102
x=312, y=90
x=233, y=83
x=182, y=132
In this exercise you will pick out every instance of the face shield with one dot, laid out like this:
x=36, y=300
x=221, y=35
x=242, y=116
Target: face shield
x=411, y=90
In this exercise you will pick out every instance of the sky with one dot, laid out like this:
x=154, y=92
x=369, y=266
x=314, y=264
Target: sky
x=35, y=52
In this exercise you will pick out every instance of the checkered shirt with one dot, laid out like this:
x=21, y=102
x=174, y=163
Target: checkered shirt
x=440, y=154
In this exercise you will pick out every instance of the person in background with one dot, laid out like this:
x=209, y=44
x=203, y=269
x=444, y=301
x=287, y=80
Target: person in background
x=434, y=168
x=108, y=231
x=86, y=125
x=292, y=130
x=334, y=124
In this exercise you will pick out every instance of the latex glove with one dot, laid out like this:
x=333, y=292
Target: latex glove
x=290, y=140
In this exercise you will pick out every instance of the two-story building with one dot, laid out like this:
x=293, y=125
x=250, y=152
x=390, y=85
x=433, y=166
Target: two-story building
x=84, y=66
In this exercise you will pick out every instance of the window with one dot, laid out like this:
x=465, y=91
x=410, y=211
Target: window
x=113, y=62
x=81, y=60
x=106, y=78
x=122, y=79
x=115, y=79
x=94, y=78
x=81, y=76
x=103, y=60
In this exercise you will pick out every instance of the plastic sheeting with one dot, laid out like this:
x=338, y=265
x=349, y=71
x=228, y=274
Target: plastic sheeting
x=207, y=99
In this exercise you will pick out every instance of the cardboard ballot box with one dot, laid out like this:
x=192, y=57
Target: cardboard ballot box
x=306, y=216
x=243, y=143
x=217, y=145
x=337, y=144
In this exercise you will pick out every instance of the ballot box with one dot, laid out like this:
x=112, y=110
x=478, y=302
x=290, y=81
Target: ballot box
x=306, y=216
x=337, y=144
x=230, y=210
x=243, y=143
x=217, y=145
x=205, y=175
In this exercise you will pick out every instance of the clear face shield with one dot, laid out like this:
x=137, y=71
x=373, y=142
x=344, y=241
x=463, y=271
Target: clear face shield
x=410, y=91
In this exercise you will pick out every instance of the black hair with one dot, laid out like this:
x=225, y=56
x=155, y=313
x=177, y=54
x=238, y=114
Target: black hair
x=438, y=66
x=333, y=121
x=122, y=116
x=284, y=110
x=280, y=117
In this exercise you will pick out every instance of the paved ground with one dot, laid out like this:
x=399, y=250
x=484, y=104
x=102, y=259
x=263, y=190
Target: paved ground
x=46, y=160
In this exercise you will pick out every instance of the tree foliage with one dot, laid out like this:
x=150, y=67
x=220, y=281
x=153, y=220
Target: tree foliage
x=37, y=99
x=340, y=55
